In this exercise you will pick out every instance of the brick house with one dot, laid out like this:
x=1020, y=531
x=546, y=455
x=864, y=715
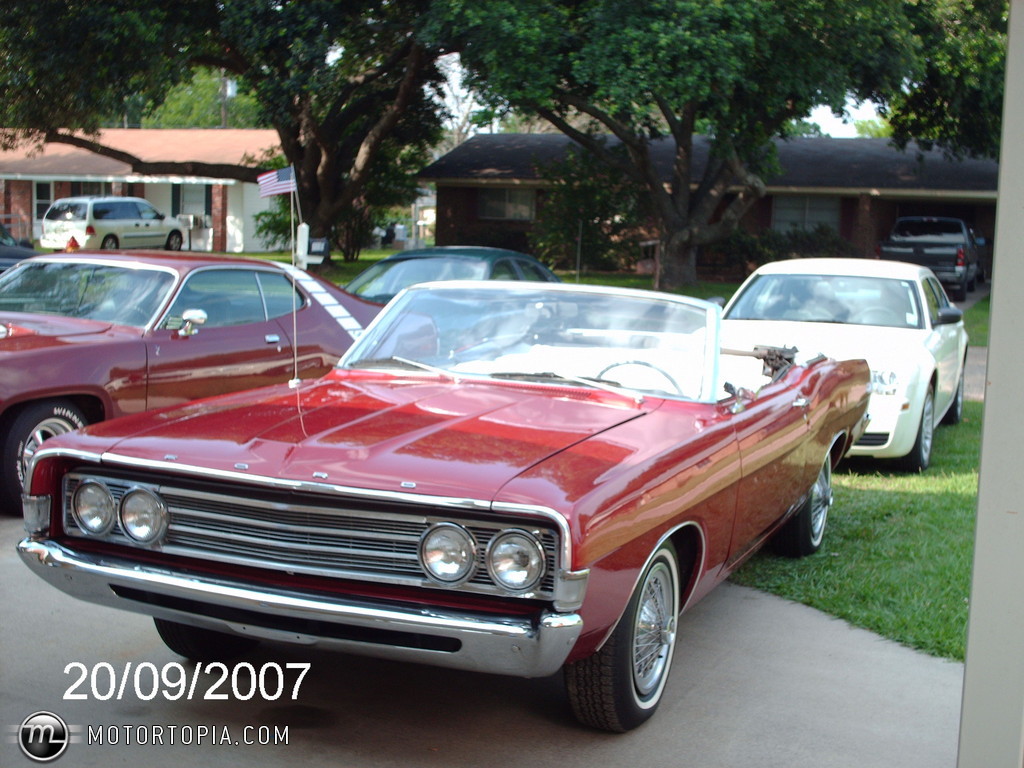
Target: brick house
x=221, y=209
x=489, y=188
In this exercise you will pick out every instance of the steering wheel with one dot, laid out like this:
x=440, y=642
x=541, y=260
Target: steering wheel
x=675, y=385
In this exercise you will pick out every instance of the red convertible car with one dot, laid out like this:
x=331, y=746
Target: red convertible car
x=87, y=337
x=507, y=477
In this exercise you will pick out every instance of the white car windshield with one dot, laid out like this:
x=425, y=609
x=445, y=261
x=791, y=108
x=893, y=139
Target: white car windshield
x=643, y=342
x=855, y=300
x=110, y=293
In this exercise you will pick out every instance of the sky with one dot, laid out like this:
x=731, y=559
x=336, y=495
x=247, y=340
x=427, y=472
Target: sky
x=834, y=126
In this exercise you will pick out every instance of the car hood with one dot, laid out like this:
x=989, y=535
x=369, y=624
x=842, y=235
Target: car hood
x=879, y=345
x=27, y=331
x=428, y=437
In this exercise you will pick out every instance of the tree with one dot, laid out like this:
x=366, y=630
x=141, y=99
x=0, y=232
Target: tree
x=956, y=104
x=645, y=72
x=338, y=81
x=590, y=212
x=203, y=102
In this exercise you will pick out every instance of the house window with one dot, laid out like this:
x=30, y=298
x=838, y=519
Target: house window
x=98, y=188
x=44, y=196
x=804, y=212
x=192, y=198
x=508, y=204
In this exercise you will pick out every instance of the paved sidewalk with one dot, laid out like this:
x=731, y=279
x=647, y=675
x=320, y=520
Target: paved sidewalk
x=977, y=357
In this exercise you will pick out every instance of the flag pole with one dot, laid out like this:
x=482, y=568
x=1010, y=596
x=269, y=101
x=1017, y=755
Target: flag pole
x=292, y=201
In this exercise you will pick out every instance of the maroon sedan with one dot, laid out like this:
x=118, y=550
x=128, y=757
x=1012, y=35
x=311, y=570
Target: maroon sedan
x=513, y=478
x=88, y=337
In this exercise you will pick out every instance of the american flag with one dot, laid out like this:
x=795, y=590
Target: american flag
x=277, y=182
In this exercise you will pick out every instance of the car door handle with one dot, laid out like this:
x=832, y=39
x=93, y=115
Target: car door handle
x=272, y=338
x=801, y=402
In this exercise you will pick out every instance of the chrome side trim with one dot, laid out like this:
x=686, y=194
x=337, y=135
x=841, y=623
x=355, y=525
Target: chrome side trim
x=524, y=646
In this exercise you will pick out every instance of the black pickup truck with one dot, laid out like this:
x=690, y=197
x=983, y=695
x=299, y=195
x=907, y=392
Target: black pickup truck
x=946, y=246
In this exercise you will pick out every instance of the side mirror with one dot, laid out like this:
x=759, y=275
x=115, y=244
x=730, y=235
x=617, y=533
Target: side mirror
x=949, y=316
x=191, y=320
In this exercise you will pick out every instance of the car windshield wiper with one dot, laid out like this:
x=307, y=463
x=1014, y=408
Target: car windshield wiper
x=396, y=361
x=585, y=381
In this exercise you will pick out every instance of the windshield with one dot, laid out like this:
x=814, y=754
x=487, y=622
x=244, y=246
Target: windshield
x=929, y=229
x=127, y=296
x=638, y=341
x=5, y=237
x=67, y=211
x=385, y=279
x=855, y=300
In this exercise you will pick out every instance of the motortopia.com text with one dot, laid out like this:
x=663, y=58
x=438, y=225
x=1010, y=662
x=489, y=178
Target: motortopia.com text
x=170, y=735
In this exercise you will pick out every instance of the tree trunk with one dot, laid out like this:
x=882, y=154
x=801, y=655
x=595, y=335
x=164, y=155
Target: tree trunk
x=677, y=264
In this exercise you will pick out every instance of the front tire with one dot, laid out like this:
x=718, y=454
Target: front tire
x=25, y=433
x=802, y=534
x=956, y=408
x=200, y=644
x=621, y=685
x=174, y=241
x=920, y=455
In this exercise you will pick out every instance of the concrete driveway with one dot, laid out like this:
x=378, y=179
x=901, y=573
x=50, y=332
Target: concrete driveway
x=977, y=357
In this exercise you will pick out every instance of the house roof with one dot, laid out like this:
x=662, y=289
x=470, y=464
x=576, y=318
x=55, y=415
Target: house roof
x=67, y=163
x=810, y=164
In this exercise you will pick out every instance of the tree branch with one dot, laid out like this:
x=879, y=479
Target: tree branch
x=138, y=165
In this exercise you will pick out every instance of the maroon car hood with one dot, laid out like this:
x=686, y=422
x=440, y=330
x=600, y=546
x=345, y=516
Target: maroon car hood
x=34, y=331
x=429, y=437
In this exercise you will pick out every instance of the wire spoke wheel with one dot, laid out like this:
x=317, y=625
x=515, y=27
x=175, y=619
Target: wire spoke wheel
x=621, y=685
x=655, y=630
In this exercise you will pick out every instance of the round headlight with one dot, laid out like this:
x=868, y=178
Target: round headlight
x=143, y=515
x=447, y=552
x=515, y=560
x=93, y=507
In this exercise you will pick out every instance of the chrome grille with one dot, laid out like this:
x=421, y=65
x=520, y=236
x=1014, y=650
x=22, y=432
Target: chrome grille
x=311, y=537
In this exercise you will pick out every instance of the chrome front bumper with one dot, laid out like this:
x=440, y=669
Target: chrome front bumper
x=519, y=646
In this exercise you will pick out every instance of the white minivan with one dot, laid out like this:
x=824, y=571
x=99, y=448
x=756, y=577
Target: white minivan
x=109, y=222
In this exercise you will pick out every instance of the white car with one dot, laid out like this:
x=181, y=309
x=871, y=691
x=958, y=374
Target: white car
x=108, y=222
x=894, y=315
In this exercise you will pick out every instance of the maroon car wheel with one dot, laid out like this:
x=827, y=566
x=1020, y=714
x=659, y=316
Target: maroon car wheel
x=804, y=531
x=621, y=685
x=28, y=429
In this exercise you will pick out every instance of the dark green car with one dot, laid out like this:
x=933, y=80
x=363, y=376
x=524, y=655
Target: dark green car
x=387, y=277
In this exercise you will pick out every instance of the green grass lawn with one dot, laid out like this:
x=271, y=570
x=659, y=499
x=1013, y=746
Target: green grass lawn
x=976, y=322
x=897, y=553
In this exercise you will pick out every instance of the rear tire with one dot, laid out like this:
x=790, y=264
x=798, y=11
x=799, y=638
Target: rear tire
x=621, y=685
x=802, y=534
x=200, y=644
x=109, y=243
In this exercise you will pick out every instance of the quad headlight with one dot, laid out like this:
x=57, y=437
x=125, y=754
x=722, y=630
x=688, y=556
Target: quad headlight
x=93, y=507
x=143, y=516
x=448, y=553
x=515, y=560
